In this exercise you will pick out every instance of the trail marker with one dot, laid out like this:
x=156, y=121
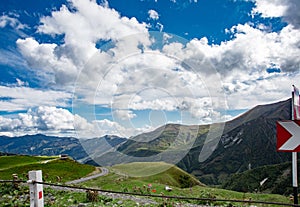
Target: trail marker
x=36, y=189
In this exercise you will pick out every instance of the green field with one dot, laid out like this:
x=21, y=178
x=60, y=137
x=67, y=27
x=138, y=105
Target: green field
x=130, y=175
x=53, y=169
x=21, y=160
x=122, y=178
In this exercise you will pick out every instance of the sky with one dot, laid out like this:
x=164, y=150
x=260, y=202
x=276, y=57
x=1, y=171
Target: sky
x=87, y=68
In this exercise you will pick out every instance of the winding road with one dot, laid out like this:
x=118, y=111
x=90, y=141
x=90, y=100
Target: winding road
x=104, y=171
x=144, y=201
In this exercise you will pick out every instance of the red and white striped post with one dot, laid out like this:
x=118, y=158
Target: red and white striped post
x=36, y=189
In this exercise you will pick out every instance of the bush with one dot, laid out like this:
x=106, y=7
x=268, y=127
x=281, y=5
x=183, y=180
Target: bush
x=92, y=196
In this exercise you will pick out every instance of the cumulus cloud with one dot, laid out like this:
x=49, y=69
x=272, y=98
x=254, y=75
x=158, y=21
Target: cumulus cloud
x=287, y=9
x=108, y=72
x=243, y=62
x=134, y=70
x=61, y=122
x=40, y=119
x=153, y=14
x=56, y=69
x=62, y=63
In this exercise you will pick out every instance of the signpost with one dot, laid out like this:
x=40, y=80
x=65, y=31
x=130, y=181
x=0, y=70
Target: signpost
x=36, y=190
x=288, y=138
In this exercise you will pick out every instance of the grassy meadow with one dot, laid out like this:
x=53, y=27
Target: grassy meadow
x=139, y=178
x=53, y=168
x=124, y=178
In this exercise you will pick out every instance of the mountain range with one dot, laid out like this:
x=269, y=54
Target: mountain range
x=40, y=144
x=246, y=142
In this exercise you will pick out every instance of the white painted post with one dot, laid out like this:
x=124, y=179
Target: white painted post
x=294, y=159
x=36, y=189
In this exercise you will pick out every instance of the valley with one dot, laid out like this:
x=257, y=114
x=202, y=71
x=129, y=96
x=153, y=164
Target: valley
x=244, y=153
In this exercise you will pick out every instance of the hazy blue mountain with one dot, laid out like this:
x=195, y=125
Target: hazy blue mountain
x=49, y=145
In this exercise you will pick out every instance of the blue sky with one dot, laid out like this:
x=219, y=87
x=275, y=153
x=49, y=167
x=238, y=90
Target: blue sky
x=89, y=68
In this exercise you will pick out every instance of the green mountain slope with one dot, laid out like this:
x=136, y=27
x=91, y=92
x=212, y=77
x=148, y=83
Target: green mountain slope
x=248, y=141
x=156, y=172
x=266, y=179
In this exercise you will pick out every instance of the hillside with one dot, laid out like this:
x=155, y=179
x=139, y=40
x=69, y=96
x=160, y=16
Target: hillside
x=54, y=169
x=247, y=142
x=125, y=178
x=266, y=179
x=156, y=172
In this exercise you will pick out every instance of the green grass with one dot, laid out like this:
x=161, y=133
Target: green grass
x=19, y=197
x=21, y=160
x=124, y=178
x=119, y=179
x=156, y=172
x=54, y=171
x=142, y=169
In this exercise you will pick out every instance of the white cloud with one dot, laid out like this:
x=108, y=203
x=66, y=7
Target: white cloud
x=40, y=119
x=235, y=69
x=275, y=8
x=81, y=24
x=129, y=75
x=153, y=14
x=11, y=58
x=106, y=126
x=60, y=122
x=242, y=63
x=124, y=114
x=14, y=98
x=43, y=58
x=61, y=64
x=160, y=26
x=287, y=9
x=13, y=22
x=21, y=83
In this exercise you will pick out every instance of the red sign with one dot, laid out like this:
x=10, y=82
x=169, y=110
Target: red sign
x=288, y=136
x=40, y=194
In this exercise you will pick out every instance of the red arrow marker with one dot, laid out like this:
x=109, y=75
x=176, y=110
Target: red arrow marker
x=288, y=136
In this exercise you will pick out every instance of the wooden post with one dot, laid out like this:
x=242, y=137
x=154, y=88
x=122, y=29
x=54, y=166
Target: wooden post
x=36, y=189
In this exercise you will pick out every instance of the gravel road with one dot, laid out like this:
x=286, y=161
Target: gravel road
x=104, y=171
x=143, y=201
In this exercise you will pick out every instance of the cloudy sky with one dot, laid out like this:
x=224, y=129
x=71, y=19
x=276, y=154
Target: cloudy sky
x=88, y=68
